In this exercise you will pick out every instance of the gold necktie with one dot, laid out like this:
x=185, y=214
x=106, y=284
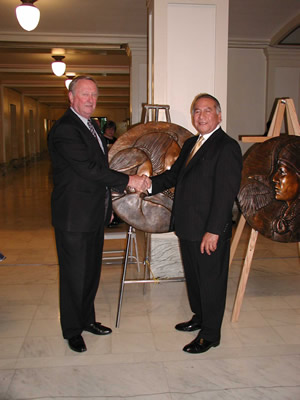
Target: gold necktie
x=194, y=150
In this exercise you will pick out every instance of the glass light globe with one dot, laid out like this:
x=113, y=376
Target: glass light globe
x=67, y=83
x=28, y=16
x=58, y=68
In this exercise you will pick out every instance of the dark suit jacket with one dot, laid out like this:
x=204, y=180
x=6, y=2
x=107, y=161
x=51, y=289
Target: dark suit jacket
x=80, y=175
x=205, y=189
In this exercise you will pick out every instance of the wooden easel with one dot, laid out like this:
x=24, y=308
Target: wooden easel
x=283, y=105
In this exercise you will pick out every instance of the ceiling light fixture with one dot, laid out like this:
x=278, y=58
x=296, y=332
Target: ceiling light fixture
x=70, y=76
x=58, y=66
x=28, y=15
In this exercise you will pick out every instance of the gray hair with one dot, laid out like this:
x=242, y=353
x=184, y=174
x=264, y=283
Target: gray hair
x=75, y=81
x=206, y=96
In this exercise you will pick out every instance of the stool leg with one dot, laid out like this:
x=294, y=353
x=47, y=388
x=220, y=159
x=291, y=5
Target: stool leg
x=123, y=277
x=136, y=251
x=147, y=260
x=168, y=115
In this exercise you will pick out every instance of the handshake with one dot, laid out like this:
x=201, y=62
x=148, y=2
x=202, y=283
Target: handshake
x=139, y=183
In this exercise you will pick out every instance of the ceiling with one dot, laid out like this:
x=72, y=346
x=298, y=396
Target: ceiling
x=95, y=34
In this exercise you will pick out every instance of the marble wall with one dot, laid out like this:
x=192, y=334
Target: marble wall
x=165, y=259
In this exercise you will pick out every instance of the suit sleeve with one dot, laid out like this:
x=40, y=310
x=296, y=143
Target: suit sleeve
x=82, y=158
x=168, y=179
x=226, y=186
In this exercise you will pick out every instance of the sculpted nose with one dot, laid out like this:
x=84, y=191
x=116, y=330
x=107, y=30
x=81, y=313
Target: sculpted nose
x=275, y=177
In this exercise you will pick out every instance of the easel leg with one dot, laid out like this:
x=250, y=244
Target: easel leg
x=277, y=119
x=293, y=124
x=237, y=237
x=244, y=276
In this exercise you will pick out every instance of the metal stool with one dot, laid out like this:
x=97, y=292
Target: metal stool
x=156, y=107
x=131, y=232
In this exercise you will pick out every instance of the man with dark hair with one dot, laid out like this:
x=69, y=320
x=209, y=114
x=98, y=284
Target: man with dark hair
x=206, y=176
x=81, y=207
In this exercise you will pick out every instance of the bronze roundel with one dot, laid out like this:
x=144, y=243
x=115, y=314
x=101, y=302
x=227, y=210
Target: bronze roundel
x=269, y=196
x=148, y=149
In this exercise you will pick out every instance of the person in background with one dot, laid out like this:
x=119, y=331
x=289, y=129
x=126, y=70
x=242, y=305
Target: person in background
x=81, y=207
x=109, y=130
x=206, y=177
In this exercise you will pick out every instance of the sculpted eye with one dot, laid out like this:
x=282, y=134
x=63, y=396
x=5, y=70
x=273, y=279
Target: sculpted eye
x=282, y=171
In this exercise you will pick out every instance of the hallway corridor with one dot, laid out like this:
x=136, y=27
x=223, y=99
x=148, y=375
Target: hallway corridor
x=259, y=356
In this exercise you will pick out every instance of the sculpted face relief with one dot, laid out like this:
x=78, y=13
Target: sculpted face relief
x=269, y=195
x=286, y=183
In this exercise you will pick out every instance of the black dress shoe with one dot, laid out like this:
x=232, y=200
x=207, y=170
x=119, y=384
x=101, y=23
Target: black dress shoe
x=188, y=326
x=97, y=329
x=76, y=343
x=200, y=345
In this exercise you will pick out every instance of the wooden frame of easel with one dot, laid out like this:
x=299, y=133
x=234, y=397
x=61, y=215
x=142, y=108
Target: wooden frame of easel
x=283, y=105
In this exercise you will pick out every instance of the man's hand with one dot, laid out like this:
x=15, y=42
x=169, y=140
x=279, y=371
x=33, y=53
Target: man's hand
x=209, y=243
x=139, y=183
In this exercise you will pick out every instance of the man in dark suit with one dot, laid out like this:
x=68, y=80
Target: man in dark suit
x=81, y=207
x=206, y=177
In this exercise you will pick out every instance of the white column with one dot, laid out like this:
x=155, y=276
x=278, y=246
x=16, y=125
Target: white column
x=188, y=41
x=138, y=79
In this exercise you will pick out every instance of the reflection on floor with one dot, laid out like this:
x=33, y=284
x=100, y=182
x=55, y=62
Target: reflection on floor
x=259, y=357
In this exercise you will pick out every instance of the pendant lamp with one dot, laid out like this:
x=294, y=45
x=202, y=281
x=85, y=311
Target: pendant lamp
x=58, y=66
x=28, y=15
x=69, y=79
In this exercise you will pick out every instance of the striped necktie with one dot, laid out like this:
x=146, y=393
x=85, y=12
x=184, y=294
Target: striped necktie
x=107, y=191
x=95, y=134
x=194, y=150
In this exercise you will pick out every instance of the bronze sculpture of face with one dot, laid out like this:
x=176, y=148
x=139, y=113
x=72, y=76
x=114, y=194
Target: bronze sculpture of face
x=269, y=196
x=286, y=183
x=148, y=149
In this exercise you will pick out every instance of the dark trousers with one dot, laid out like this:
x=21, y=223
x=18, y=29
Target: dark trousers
x=80, y=257
x=206, y=280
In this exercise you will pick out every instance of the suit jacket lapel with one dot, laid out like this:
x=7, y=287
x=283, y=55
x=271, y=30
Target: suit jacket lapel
x=210, y=143
x=188, y=150
x=101, y=138
x=90, y=140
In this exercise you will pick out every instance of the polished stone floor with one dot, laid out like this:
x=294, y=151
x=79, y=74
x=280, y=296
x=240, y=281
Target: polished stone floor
x=259, y=356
